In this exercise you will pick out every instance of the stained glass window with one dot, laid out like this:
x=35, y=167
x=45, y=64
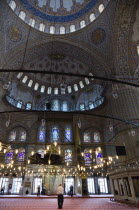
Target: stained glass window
x=99, y=156
x=69, y=89
x=41, y=137
x=55, y=134
x=138, y=49
x=55, y=106
x=91, y=105
x=9, y=157
x=67, y=134
x=92, y=17
x=52, y=29
x=87, y=157
x=22, y=136
x=82, y=23
x=19, y=104
x=28, y=106
x=42, y=27
x=96, y=137
x=12, y=4
x=32, y=22
x=22, y=15
x=21, y=156
x=62, y=30
x=64, y=106
x=101, y=8
x=82, y=107
x=68, y=155
x=12, y=136
x=72, y=28
x=86, y=137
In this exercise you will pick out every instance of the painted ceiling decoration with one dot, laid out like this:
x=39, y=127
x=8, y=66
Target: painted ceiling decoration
x=58, y=10
x=58, y=16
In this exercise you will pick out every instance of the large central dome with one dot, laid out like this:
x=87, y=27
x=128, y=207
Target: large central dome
x=59, y=10
x=58, y=16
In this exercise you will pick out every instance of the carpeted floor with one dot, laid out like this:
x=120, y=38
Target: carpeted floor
x=69, y=204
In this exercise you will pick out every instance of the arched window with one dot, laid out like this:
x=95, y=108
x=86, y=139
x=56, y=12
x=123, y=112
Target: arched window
x=64, y=106
x=28, y=106
x=92, y=17
x=52, y=29
x=19, y=104
x=42, y=89
x=12, y=4
x=62, y=30
x=82, y=107
x=91, y=105
x=55, y=105
x=42, y=27
x=69, y=89
x=75, y=87
x=55, y=134
x=9, y=157
x=22, y=136
x=96, y=137
x=138, y=49
x=86, y=137
x=19, y=75
x=49, y=90
x=68, y=134
x=42, y=131
x=36, y=86
x=55, y=91
x=21, y=155
x=82, y=24
x=22, y=15
x=24, y=79
x=72, y=28
x=87, y=81
x=90, y=74
x=87, y=157
x=101, y=8
x=12, y=136
x=81, y=84
x=68, y=155
x=32, y=22
x=30, y=83
x=99, y=156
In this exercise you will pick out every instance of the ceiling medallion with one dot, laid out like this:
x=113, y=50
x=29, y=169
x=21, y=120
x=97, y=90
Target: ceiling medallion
x=14, y=33
x=98, y=36
x=56, y=56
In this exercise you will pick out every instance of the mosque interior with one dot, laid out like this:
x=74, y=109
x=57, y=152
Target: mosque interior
x=69, y=97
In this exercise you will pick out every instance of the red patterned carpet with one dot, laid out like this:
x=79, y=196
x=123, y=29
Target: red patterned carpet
x=70, y=204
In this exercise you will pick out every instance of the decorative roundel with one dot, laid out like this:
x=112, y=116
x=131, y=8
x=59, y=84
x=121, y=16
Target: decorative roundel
x=98, y=36
x=14, y=33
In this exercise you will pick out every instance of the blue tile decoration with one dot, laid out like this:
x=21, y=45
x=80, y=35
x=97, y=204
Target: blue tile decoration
x=55, y=18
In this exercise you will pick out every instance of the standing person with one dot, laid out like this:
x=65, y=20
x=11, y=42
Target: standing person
x=27, y=192
x=71, y=191
x=21, y=190
x=38, y=193
x=60, y=191
x=2, y=190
